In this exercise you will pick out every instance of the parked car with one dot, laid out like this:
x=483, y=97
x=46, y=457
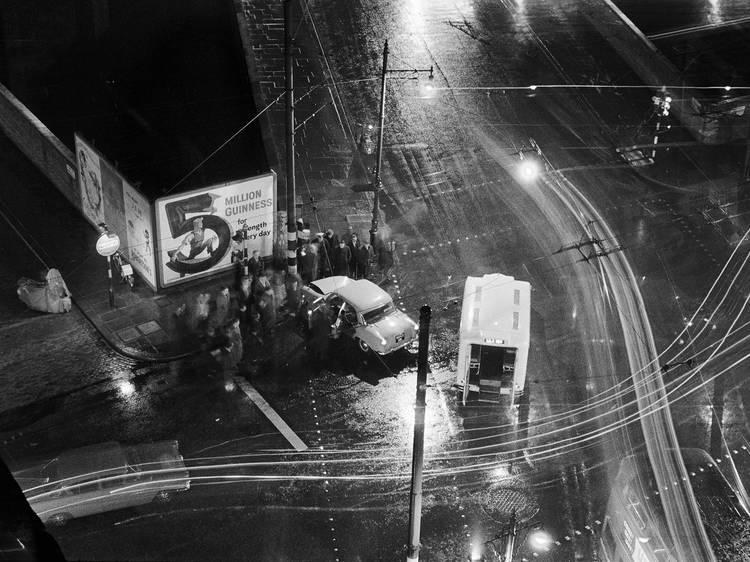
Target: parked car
x=103, y=477
x=363, y=311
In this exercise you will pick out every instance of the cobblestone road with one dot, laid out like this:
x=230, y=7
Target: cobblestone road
x=43, y=355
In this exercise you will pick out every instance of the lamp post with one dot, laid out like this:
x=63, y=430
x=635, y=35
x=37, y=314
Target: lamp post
x=377, y=184
x=106, y=245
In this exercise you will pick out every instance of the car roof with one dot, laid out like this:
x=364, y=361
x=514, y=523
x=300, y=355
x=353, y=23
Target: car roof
x=360, y=293
x=364, y=294
x=330, y=284
x=101, y=458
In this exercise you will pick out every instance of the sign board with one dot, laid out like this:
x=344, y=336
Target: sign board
x=107, y=244
x=195, y=229
x=106, y=196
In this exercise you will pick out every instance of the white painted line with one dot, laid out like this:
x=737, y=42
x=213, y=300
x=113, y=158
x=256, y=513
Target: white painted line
x=270, y=413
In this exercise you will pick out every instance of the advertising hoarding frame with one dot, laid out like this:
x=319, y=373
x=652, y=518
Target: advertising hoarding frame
x=123, y=215
x=180, y=244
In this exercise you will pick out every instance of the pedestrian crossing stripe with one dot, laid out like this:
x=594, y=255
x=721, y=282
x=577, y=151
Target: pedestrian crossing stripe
x=271, y=414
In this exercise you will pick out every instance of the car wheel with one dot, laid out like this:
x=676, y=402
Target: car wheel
x=59, y=519
x=363, y=346
x=163, y=496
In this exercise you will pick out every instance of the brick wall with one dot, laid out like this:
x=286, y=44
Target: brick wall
x=49, y=155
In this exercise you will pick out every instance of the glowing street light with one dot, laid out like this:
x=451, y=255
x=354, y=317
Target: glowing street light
x=529, y=169
x=540, y=540
x=530, y=166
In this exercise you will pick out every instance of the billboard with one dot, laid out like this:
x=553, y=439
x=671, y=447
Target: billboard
x=90, y=182
x=107, y=197
x=195, y=229
x=140, y=233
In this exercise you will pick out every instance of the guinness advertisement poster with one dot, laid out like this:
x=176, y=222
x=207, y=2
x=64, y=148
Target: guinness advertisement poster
x=199, y=231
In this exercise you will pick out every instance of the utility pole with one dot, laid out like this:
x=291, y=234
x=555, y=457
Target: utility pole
x=415, y=505
x=291, y=192
x=378, y=185
x=663, y=104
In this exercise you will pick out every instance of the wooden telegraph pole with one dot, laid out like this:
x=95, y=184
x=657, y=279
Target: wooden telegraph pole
x=415, y=506
x=291, y=195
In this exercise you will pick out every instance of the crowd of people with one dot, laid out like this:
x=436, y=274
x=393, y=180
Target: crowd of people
x=235, y=324
x=326, y=253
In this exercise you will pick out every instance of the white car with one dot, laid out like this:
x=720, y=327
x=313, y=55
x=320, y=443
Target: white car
x=363, y=311
x=103, y=477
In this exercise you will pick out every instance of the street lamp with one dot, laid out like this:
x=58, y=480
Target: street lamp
x=540, y=540
x=377, y=185
x=528, y=170
x=530, y=166
x=106, y=245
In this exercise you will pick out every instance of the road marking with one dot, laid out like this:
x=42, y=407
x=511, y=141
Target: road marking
x=270, y=413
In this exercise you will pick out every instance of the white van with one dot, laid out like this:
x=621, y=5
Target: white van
x=494, y=337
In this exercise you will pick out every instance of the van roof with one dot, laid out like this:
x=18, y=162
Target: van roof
x=496, y=305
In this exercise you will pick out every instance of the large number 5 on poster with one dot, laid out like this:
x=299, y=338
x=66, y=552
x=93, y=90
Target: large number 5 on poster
x=197, y=250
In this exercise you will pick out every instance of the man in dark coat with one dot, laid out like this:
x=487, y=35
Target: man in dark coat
x=255, y=265
x=354, y=249
x=259, y=286
x=364, y=254
x=326, y=254
x=342, y=257
x=309, y=262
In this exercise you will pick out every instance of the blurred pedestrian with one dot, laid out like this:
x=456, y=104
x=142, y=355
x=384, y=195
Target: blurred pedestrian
x=221, y=312
x=266, y=306
x=327, y=246
x=293, y=293
x=386, y=251
x=254, y=323
x=278, y=287
x=309, y=263
x=259, y=286
x=199, y=312
x=353, y=249
x=255, y=265
x=254, y=347
x=234, y=337
x=364, y=256
x=236, y=247
x=244, y=300
x=342, y=257
x=319, y=335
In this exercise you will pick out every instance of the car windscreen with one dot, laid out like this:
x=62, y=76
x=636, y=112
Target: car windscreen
x=377, y=314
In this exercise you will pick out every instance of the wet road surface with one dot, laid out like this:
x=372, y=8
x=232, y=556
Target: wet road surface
x=456, y=208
